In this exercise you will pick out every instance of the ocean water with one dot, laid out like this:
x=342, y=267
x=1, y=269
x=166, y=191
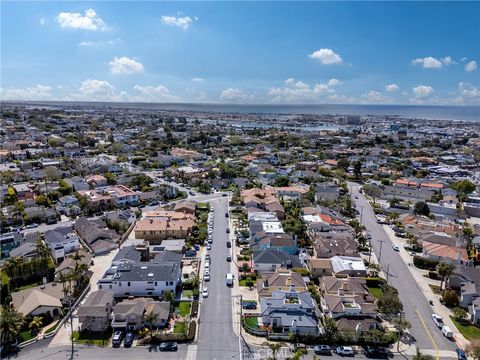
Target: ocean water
x=459, y=113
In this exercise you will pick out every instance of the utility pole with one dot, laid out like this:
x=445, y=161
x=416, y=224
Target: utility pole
x=361, y=213
x=388, y=272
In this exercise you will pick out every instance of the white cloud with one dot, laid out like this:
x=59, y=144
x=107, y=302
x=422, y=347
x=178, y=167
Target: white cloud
x=428, y=62
x=125, y=65
x=235, y=95
x=326, y=56
x=37, y=92
x=333, y=82
x=422, y=91
x=198, y=79
x=374, y=97
x=181, y=22
x=447, y=60
x=467, y=90
x=91, y=43
x=150, y=93
x=392, y=87
x=96, y=87
x=471, y=66
x=42, y=21
x=89, y=21
x=289, y=81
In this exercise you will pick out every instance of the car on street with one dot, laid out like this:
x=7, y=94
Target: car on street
x=229, y=258
x=168, y=346
x=117, y=339
x=206, y=277
x=413, y=253
x=227, y=231
x=207, y=265
x=369, y=237
x=207, y=257
x=205, y=292
x=229, y=244
x=191, y=193
x=437, y=319
x=206, y=272
x=344, y=351
x=224, y=195
x=31, y=226
x=395, y=247
x=191, y=253
x=226, y=214
x=376, y=352
x=128, y=339
x=196, y=247
x=461, y=354
x=322, y=350
x=209, y=247
x=356, y=196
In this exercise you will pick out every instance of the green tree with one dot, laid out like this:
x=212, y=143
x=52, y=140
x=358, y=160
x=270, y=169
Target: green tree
x=111, y=178
x=357, y=169
x=343, y=164
x=36, y=324
x=11, y=322
x=450, y=298
x=421, y=208
x=372, y=190
x=445, y=271
x=275, y=347
x=150, y=318
x=459, y=313
x=64, y=188
x=389, y=303
x=330, y=327
x=42, y=200
x=282, y=181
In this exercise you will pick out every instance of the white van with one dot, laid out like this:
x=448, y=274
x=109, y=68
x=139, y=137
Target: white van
x=229, y=279
x=447, y=332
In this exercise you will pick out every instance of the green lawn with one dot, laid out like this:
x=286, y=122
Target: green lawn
x=183, y=307
x=243, y=282
x=93, y=338
x=375, y=291
x=187, y=293
x=251, y=321
x=469, y=331
x=436, y=289
x=25, y=336
x=180, y=327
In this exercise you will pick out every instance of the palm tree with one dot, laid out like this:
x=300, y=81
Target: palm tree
x=150, y=318
x=168, y=296
x=11, y=322
x=35, y=324
x=11, y=265
x=445, y=271
x=275, y=347
x=42, y=250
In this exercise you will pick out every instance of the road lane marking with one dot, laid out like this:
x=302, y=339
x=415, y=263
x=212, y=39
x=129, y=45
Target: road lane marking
x=429, y=334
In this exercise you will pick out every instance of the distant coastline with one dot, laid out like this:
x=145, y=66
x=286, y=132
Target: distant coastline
x=428, y=112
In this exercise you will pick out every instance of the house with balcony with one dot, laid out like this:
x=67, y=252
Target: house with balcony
x=122, y=195
x=95, y=314
x=290, y=312
x=61, y=242
x=128, y=314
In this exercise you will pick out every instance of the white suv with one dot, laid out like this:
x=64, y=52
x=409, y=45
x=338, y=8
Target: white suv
x=437, y=319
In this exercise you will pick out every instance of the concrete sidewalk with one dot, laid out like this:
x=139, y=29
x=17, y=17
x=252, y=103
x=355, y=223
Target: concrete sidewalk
x=424, y=283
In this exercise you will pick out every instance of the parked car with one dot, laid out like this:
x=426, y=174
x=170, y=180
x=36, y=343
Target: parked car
x=117, y=339
x=227, y=231
x=31, y=226
x=191, y=193
x=461, y=354
x=224, y=194
x=395, y=247
x=153, y=203
x=322, y=350
x=168, y=346
x=207, y=257
x=209, y=247
x=437, y=319
x=376, y=352
x=206, y=277
x=191, y=253
x=128, y=339
x=229, y=258
x=226, y=214
x=205, y=292
x=249, y=305
x=229, y=244
x=196, y=247
x=345, y=351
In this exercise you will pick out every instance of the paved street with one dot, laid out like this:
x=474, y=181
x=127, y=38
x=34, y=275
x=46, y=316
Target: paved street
x=416, y=307
x=216, y=338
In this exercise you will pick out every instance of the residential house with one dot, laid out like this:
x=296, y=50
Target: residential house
x=474, y=311
x=39, y=300
x=269, y=260
x=281, y=280
x=445, y=253
x=128, y=314
x=96, y=181
x=319, y=267
x=61, y=242
x=97, y=200
x=290, y=312
x=122, y=195
x=326, y=192
x=348, y=266
x=326, y=245
x=95, y=235
x=95, y=313
x=283, y=242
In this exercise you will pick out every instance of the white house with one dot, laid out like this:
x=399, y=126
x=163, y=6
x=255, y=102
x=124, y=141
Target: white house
x=61, y=242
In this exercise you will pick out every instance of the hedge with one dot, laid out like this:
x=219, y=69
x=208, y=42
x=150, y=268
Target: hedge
x=424, y=263
x=194, y=311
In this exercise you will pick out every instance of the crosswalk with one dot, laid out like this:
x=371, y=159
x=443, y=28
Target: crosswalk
x=192, y=352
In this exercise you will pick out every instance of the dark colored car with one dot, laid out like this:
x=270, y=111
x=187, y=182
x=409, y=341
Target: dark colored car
x=322, y=350
x=128, y=340
x=229, y=244
x=376, y=352
x=224, y=194
x=461, y=354
x=196, y=247
x=228, y=231
x=190, y=253
x=168, y=346
x=191, y=193
x=229, y=258
x=226, y=214
x=249, y=304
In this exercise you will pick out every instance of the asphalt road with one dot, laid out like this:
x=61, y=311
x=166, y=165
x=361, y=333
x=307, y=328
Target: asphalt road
x=216, y=338
x=416, y=307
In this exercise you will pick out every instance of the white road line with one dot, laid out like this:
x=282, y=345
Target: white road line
x=192, y=352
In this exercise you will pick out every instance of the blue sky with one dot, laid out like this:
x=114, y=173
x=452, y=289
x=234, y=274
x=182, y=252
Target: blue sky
x=242, y=52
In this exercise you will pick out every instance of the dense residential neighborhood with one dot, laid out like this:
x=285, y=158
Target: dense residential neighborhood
x=141, y=228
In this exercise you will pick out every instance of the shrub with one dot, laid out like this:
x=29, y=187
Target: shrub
x=424, y=263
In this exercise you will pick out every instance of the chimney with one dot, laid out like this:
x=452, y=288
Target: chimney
x=345, y=286
x=292, y=288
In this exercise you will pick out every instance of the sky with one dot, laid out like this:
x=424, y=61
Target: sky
x=242, y=52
